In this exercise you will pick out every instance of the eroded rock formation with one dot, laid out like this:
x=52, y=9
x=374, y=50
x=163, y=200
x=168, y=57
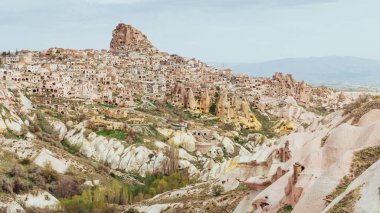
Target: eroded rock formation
x=127, y=38
x=284, y=85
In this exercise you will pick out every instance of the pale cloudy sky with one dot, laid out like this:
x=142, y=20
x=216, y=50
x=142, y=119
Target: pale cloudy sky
x=211, y=30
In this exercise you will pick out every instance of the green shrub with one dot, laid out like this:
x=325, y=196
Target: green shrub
x=156, y=184
x=285, y=209
x=91, y=200
x=44, y=124
x=213, y=109
x=70, y=148
x=78, y=203
x=49, y=173
x=42, y=128
x=19, y=185
x=217, y=190
x=25, y=161
x=266, y=124
x=347, y=203
x=17, y=171
x=6, y=186
x=117, y=134
x=67, y=186
x=106, y=105
x=10, y=135
x=361, y=161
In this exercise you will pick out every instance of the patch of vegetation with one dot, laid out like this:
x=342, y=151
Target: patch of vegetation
x=239, y=141
x=137, y=99
x=242, y=187
x=266, y=124
x=323, y=140
x=150, y=133
x=217, y=190
x=56, y=115
x=357, y=104
x=219, y=159
x=347, y=204
x=168, y=111
x=25, y=161
x=356, y=114
x=156, y=184
x=90, y=201
x=86, y=133
x=105, y=105
x=285, y=209
x=117, y=177
x=245, y=132
x=42, y=128
x=132, y=210
x=3, y=107
x=210, y=122
x=67, y=186
x=213, y=109
x=360, y=107
x=227, y=127
x=44, y=124
x=361, y=161
x=9, y=134
x=319, y=110
x=117, y=134
x=70, y=148
x=24, y=176
x=305, y=125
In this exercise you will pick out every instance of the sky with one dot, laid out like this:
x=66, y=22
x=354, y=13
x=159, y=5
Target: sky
x=239, y=31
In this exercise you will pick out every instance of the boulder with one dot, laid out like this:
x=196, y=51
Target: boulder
x=228, y=145
x=46, y=156
x=42, y=199
x=184, y=140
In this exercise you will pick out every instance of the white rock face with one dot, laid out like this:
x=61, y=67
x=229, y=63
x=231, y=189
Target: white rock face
x=214, y=170
x=185, y=156
x=369, y=184
x=292, y=111
x=228, y=145
x=193, y=171
x=46, y=156
x=184, y=140
x=60, y=128
x=27, y=105
x=22, y=148
x=42, y=199
x=371, y=117
x=11, y=120
x=215, y=152
x=12, y=207
x=14, y=125
x=324, y=166
x=91, y=183
x=156, y=208
x=165, y=132
x=132, y=158
x=291, y=101
x=160, y=145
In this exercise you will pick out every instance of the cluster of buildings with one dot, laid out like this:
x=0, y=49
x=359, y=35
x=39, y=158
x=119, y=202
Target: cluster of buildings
x=134, y=68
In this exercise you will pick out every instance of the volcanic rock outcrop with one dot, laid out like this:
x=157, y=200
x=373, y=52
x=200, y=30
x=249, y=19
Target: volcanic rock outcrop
x=127, y=38
x=285, y=85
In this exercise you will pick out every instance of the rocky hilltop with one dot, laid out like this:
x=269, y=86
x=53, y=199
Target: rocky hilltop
x=134, y=129
x=127, y=38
